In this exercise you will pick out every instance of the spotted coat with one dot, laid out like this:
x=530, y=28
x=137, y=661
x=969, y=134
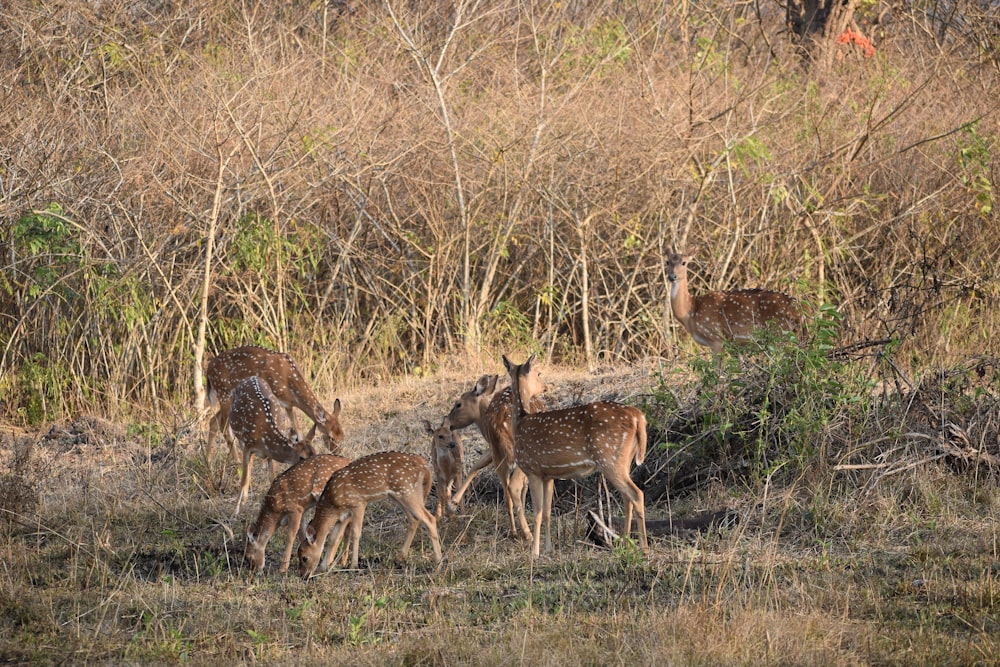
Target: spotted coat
x=290, y=388
x=402, y=477
x=292, y=493
x=716, y=317
x=252, y=422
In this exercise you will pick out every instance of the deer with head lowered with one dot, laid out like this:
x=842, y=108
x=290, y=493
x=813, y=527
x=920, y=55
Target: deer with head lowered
x=278, y=369
x=291, y=494
x=572, y=443
x=405, y=478
x=252, y=422
x=716, y=317
x=490, y=412
x=447, y=459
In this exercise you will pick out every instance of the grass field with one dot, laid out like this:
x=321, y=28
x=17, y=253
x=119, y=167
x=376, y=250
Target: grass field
x=117, y=547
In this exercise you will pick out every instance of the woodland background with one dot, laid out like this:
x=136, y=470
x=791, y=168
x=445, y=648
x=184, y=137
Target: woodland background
x=373, y=186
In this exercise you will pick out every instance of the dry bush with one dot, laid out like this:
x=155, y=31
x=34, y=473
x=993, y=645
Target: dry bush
x=21, y=482
x=388, y=183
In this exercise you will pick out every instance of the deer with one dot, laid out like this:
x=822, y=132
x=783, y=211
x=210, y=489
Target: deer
x=252, y=422
x=716, y=317
x=490, y=412
x=291, y=493
x=447, y=460
x=403, y=477
x=573, y=443
x=282, y=375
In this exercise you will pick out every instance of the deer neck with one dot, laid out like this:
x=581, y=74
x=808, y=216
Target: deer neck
x=264, y=527
x=516, y=406
x=680, y=299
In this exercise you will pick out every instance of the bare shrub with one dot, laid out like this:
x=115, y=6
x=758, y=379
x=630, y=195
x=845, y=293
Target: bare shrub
x=20, y=484
x=388, y=182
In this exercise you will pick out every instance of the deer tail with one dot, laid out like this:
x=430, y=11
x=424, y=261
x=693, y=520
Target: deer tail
x=640, y=427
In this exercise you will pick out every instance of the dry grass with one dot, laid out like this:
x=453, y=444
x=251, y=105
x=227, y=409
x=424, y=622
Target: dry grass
x=127, y=557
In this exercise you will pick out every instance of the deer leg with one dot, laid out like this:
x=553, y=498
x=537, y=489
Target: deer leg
x=633, y=497
x=411, y=532
x=222, y=423
x=419, y=514
x=537, y=486
x=550, y=490
x=335, y=538
x=357, y=520
x=432, y=531
x=343, y=557
x=484, y=460
x=245, y=481
x=517, y=495
x=294, y=520
x=508, y=500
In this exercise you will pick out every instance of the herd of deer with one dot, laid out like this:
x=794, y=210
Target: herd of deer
x=529, y=447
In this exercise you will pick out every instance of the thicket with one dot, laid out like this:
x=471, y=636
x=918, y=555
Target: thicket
x=372, y=186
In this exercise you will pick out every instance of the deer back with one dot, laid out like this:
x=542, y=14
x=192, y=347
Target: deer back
x=282, y=375
x=377, y=476
x=736, y=314
x=581, y=439
x=572, y=441
x=302, y=484
x=252, y=421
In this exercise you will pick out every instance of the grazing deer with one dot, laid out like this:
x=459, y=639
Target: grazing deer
x=447, y=459
x=405, y=478
x=490, y=412
x=291, y=494
x=252, y=422
x=573, y=443
x=283, y=376
x=716, y=317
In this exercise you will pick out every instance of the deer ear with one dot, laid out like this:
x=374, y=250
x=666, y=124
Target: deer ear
x=428, y=427
x=251, y=538
x=336, y=407
x=484, y=384
x=507, y=363
x=530, y=361
x=309, y=534
x=493, y=383
x=319, y=412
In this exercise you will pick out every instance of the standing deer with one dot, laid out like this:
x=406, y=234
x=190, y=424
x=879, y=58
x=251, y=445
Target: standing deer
x=252, y=422
x=716, y=317
x=283, y=376
x=405, y=478
x=447, y=460
x=573, y=443
x=490, y=412
x=291, y=494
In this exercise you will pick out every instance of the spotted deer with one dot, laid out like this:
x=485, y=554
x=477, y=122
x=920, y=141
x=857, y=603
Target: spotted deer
x=447, y=460
x=716, y=317
x=291, y=494
x=278, y=369
x=252, y=422
x=405, y=478
x=490, y=412
x=572, y=443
